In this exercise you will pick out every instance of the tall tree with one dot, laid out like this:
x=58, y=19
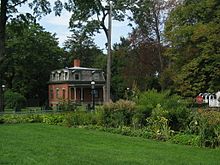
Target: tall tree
x=134, y=65
x=83, y=47
x=149, y=17
x=90, y=17
x=31, y=53
x=193, y=31
x=8, y=7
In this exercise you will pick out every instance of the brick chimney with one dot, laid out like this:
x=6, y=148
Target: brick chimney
x=76, y=63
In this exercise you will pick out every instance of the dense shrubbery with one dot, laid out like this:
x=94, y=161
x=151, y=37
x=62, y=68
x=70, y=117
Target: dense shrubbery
x=14, y=100
x=186, y=139
x=14, y=118
x=156, y=119
x=118, y=114
x=176, y=108
x=206, y=124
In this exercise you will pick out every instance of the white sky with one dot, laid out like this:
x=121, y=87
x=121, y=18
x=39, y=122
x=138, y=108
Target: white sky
x=59, y=25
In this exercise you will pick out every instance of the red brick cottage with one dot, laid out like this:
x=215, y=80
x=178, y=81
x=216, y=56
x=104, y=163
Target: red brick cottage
x=74, y=85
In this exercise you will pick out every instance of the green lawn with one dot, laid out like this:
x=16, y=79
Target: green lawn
x=44, y=144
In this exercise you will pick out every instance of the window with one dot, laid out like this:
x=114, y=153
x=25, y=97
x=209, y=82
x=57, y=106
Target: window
x=96, y=76
x=72, y=93
x=65, y=76
x=57, y=93
x=64, y=93
x=58, y=75
x=76, y=76
x=51, y=93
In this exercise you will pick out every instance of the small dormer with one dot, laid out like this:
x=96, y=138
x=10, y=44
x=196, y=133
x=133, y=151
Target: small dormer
x=77, y=73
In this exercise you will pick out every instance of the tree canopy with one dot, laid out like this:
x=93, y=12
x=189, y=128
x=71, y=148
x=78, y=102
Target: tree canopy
x=83, y=47
x=193, y=31
x=7, y=10
x=90, y=16
x=31, y=54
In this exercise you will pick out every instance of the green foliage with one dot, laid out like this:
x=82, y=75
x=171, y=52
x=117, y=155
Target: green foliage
x=139, y=119
x=118, y=114
x=159, y=124
x=210, y=129
x=124, y=130
x=164, y=121
x=67, y=106
x=192, y=30
x=186, y=139
x=150, y=99
x=14, y=100
x=14, y=119
x=206, y=124
x=31, y=55
x=53, y=119
x=178, y=117
x=81, y=118
x=175, y=106
x=89, y=16
x=118, y=82
x=83, y=47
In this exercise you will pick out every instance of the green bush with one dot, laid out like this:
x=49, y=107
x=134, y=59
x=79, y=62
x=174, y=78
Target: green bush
x=177, y=108
x=210, y=128
x=21, y=118
x=53, y=119
x=151, y=98
x=81, y=118
x=178, y=118
x=139, y=118
x=186, y=139
x=118, y=114
x=206, y=124
x=14, y=100
x=67, y=106
x=158, y=123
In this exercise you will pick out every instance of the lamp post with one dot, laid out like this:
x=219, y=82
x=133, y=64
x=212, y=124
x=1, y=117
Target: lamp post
x=93, y=94
x=127, y=93
x=3, y=89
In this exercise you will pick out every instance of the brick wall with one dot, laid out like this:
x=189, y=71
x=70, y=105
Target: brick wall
x=62, y=92
x=57, y=93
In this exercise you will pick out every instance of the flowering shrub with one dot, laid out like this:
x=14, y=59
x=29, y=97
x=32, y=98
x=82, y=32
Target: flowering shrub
x=158, y=123
x=206, y=124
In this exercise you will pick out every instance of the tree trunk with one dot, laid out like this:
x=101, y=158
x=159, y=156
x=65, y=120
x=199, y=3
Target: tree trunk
x=3, y=19
x=157, y=31
x=108, y=83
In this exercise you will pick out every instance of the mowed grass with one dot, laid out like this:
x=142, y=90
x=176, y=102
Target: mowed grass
x=44, y=144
